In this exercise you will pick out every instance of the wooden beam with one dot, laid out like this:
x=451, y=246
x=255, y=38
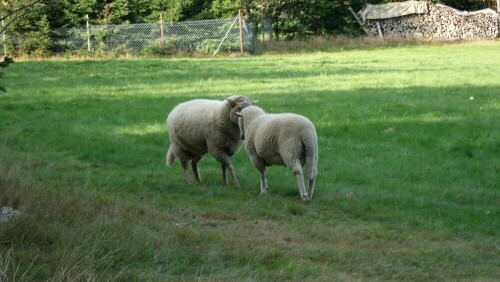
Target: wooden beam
x=359, y=20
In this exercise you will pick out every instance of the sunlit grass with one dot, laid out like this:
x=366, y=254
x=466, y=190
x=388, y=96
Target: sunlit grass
x=407, y=188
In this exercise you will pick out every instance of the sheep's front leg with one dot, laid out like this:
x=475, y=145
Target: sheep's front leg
x=260, y=165
x=225, y=160
x=263, y=181
x=233, y=175
x=224, y=175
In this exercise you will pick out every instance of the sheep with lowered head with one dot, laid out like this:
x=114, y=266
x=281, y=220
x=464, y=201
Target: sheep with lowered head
x=280, y=139
x=203, y=126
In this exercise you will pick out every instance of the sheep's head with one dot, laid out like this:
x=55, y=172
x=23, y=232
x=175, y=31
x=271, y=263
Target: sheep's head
x=246, y=117
x=240, y=125
x=238, y=103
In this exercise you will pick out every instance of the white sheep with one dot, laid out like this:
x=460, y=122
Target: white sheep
x=202, y=126
x=280, y=139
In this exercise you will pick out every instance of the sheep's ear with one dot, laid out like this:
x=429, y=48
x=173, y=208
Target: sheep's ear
x=231, y=102
x=254, y=102
x=238, y=114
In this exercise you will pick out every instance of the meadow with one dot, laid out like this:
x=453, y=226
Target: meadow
x=408, y=183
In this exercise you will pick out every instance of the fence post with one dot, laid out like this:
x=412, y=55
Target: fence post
x=162, y=42
x=88, y=32
x=379, y=30
x=4, y=43
x=262, y=26
x=358, y=20
x=254, y=37
x=241, y=31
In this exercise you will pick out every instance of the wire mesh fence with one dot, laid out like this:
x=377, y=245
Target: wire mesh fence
x=205, y=36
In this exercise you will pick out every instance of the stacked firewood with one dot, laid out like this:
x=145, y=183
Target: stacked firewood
x=440, y=23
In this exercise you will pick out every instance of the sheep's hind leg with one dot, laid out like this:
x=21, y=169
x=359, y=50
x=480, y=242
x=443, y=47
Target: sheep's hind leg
x=297, y=170
x=302, y=188
x=186, y=172
x=196, y=172
x=310, y=187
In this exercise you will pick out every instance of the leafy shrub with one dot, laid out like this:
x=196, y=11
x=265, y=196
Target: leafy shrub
x=208, y=45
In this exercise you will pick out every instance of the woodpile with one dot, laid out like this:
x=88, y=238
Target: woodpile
x=440, y=23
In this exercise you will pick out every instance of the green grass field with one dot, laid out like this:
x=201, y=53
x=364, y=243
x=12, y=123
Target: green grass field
x=408, y=186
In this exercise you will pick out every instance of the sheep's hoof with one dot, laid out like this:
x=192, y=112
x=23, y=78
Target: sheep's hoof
x=263, y=193
x=305, y=199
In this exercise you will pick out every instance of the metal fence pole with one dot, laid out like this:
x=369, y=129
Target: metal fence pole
x=88, y=32
x=224, y=38
x=4, y=43
x=202, y=36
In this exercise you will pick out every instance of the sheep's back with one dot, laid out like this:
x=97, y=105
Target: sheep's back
x=192, y=122
x=272, y=131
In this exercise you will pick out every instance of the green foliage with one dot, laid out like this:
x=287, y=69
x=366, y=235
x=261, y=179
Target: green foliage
x=292, y=19
x=224, y=8
x=208, y=46
x=407, y=186
x=5, y=63
x=31, y=28
x=37, y=41
x=465, y=5
x=157, y=49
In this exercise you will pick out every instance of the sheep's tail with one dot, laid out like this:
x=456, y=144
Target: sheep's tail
x=310, y=143
x=170, y=156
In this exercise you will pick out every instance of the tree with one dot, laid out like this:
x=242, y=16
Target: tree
x=224, y=8
x=13, y=10
x=5, y=63
x=27, y=19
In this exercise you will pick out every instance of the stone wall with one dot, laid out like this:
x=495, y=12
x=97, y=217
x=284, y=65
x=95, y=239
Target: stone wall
x=440, y=23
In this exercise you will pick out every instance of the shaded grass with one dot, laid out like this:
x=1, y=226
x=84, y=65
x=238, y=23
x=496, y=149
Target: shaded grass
x=83, y=150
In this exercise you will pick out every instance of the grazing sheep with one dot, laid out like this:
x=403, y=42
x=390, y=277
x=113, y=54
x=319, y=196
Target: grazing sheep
x=203, y=126
x=280, y=139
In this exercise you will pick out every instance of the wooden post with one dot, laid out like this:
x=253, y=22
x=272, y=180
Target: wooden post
x=162, y=42
x=262, y=29
x=359, y=21
x=241, y=31
x=498, y=6
x=379, y=31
